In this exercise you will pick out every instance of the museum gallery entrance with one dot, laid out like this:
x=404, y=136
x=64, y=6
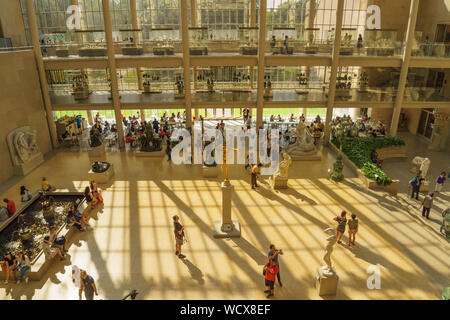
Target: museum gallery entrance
x=425, y=128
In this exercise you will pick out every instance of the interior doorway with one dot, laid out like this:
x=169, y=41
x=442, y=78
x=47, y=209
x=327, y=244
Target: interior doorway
x=425, y=128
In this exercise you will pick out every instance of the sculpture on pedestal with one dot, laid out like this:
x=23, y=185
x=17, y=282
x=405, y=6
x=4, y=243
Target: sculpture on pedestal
x=331, y=241
x=280, y=177
x=304, y=144
x=422, y=165
x=149, y=141
x=95, y=140
x=99, y=166
x=23, y=148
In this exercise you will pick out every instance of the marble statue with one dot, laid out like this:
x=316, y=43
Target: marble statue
x=25, y=145
x=422, y=164
x=283, y=167
x=280, y=177
x=304, y=144
x=24, y=151
x=331, y=241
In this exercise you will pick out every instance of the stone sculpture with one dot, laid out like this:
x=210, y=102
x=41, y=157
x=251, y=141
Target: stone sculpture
x=422, y=165
x=24, y=151
x=280, y=177
x=149, y=141
x=327, y=270
x=95, y=138
x=304, y=144
x=99, y=166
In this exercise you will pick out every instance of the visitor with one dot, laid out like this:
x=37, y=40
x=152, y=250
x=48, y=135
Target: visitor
x=302, y=118
x=352, y=229
x=49, y=251
x=90, y=199
x=249, y=122
x=317, y=119
x=342, y=221
x=270, y=273
x=273, y=256
x=78, y=119
x=10, y=206
x=179, y=236
x=88, y=286
x=440, y=182
x=24, y=265
x=255, y=173
x=445, y=212
x=359, y=44
x=25, y=194
x=94, y=190
x=273, y=42
x=374, y=158
x=10, y=264
x=427, y=203
x=272, y=118
x=415, y=185
x=286, y=44
x=3, y=214
x=169, y=151
x=46, y=185
x=292, y=118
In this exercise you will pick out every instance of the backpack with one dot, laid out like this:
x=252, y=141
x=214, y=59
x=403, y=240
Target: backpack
x=414, y=181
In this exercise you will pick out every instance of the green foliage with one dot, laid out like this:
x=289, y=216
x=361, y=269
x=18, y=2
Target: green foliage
x=358, y=151
x=372, y=172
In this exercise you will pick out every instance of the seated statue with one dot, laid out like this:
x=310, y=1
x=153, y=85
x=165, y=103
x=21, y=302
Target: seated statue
x=283, y=167
x=304, y=144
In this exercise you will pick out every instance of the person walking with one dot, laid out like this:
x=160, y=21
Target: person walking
x=169, y=151
x=179, y=236
x=445, y=212
x=352, y=229
x=273, y=255
x=271, y=271
x=415, y=185
x=255, y=174
x=342, y=221
x=88, y=286
x=440, y=182
x=427, y=203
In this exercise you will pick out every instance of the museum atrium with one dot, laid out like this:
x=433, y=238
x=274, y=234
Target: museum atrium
x=109, y=110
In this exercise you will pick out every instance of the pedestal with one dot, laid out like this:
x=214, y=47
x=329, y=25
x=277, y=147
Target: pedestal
x=210, y=172
x=227, y=228
x=425, y=186
x=326, y=284
x=25, y=168
x=279, y=183
x=97, y=153
x=101, y=177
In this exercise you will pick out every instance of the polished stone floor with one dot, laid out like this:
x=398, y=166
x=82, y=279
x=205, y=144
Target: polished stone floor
x=132, y=247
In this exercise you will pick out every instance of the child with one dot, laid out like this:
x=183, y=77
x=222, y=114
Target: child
x=24, y=194
x=45, y=185
x=352, y=229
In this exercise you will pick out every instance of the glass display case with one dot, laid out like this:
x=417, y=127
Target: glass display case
x=130, y=40
x=198, y=38
x=93, y=43
x=163, y=40
x=248, y=40
x=56, y=43
x=309, y=38
x=381, y=42
x=281, y=40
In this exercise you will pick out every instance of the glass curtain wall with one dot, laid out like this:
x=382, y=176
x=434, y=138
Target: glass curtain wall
x=163, y=15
